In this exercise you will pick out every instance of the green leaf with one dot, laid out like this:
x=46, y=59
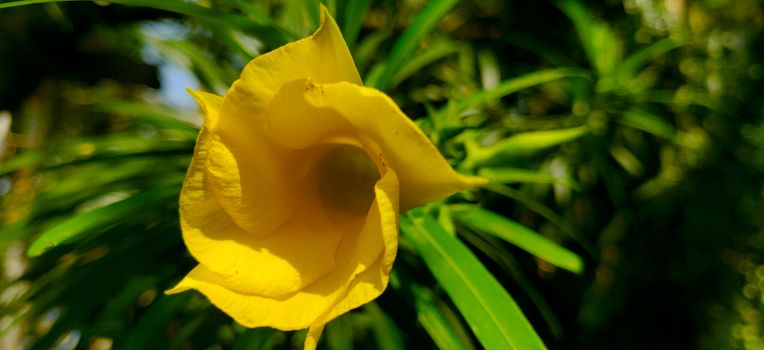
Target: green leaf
x=189, y=328
x=158, y=116
x=511, y=86
x=631, y=64
x=508, y=175
x=490, y=311
x=491, y=223
x=355, y=10
x=490, y=73
x=339, y=333
x=76, y=227
x=366, y=51
x=519, y=146
x=151, y=323
x=386, y=334
x=648, y=122
x=271, y=35
x=331, y=5
x=262, y=338
x=602, y=46
x=626, y=159
x=556, y=219
x=445, y=331
x=258, y=13
x=539, y=47
x=404, y=47
x=624, y=78
x=428, y=55
x=29, y=158
x=130, y=291
x=494, y=249
x=66, y=189
x=109, y=146
x=301, y=17
x=212, y=73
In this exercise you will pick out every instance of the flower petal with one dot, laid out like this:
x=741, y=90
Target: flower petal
x=295, y=123
x=295, y=312
x=210, y=106
x=342, y=108
x=369, y=284
x=246, y=178
x=246, y=167
x=193, y=185
x=368, y=249
x=292, y=256
x=323, y=57
x=424, y=174
x=296, y=255
x=311, y=339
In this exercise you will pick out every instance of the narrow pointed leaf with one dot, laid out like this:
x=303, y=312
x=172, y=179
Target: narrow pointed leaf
x=510, y=86
x=77, y=226
x=272, y=36
x=491, y=223
x=259, y=338
x=423, y=24
x=430, y=54
x=600, y=43
x=387, y=334
x=508, y=175
x=648, y=122
x=435, y=320
x=355, y=11
x=490, y=311
x=627, y=160
x=520, y=145
x=633, y=62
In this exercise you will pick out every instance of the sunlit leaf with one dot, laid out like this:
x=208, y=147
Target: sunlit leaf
x=490, y=74
x=600, y=43
x=491, y=312
x=521, y=236
x=444, y=329
x=648, y=122
x=519, y=145
x=510, y=175
x=636, y=60
x=627, y=160
x=99, y=218
x=494, y=248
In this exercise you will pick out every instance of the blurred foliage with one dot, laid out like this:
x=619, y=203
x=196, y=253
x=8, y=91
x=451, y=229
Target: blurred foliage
x=624, y=141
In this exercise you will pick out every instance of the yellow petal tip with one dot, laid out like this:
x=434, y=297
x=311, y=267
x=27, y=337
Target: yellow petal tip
x=475, y=181
x=208, y=103
x=175, y=290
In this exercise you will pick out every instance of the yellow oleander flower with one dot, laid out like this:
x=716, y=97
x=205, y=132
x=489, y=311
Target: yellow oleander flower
x=291, y=201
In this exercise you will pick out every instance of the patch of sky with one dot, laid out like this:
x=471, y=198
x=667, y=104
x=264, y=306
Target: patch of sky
x=174, y=74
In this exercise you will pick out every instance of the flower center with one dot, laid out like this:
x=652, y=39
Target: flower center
x=346, y=177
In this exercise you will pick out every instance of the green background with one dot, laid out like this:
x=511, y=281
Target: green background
x=624, y=141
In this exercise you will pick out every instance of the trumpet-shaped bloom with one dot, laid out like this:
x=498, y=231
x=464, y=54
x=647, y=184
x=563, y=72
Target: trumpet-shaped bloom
x=291, y=202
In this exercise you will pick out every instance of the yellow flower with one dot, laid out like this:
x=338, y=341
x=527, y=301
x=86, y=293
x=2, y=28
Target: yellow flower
x=291, y=200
